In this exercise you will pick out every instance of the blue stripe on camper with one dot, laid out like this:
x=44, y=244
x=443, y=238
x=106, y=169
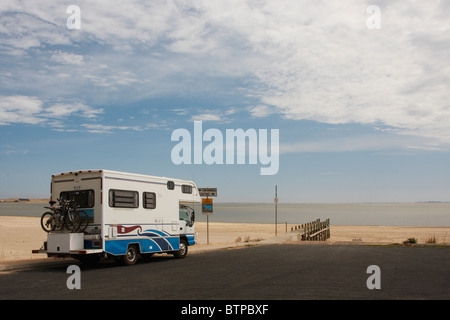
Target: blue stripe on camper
x=119, y=247
x=149, y=241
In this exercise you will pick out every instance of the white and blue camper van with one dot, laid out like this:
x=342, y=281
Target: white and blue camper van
x=129, y=215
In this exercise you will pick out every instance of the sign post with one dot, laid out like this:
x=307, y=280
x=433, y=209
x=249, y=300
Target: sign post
x=276, y=210
x=207, y=205
x=207, y=209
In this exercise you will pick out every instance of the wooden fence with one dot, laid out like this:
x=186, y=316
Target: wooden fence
x=313, y=231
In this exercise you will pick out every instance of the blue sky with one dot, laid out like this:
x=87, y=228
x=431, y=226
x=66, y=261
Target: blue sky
x=363, y=114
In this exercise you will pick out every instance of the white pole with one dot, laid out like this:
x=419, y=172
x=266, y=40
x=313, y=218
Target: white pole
x=276, y=210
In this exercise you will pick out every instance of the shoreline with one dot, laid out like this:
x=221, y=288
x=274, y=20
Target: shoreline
x=418, y=214
x=25, y=200
x=17, y=243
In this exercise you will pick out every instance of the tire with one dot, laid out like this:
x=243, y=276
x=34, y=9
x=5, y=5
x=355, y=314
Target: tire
x=48, y=223
x=131, y=256
x=182, y=252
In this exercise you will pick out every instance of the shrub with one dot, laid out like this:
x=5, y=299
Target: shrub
x=431, y=239
x=410, y=241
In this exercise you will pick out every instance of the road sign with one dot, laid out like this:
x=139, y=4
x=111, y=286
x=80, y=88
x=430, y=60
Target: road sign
x=207, y=192
x=207, y=207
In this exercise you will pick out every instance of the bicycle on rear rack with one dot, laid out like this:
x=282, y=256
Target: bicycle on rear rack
x=65, y=216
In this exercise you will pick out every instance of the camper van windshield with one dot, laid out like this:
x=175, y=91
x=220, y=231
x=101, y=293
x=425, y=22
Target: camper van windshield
x=187, y=214
x=82, y=198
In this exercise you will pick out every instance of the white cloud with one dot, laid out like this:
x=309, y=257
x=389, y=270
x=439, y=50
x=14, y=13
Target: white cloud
x=181, y=111
x=61, y=110
x=301, y=59
x=206, y=117
x=261, y=111
x=99, y=128
x=335, y=70
x=20, y=109
x=67, y=58
x=112, y=79
x=219, y=115
x=320, y=62
x=25, y=26
x=31, y=110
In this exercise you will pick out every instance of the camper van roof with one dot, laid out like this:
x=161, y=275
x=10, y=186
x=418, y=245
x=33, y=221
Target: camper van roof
x=118, y=173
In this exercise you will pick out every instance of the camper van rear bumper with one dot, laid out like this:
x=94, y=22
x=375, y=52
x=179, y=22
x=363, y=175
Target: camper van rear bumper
x=39, y=251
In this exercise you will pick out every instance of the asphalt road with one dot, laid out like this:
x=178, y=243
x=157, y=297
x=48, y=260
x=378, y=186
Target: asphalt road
x=265, y=272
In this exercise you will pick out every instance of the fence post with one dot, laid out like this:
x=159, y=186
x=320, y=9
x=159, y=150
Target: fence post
x=329, y=230
x=314, y=231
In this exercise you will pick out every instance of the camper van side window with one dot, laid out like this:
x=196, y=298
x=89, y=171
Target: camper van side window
x=123, y=198
x=149, y=200
x=186, y=188
x=170, y=185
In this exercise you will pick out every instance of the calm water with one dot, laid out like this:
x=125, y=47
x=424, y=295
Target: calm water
x=401, y=214
x=390, y=214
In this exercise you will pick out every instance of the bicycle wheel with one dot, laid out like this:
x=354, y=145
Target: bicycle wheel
x=72, y=221
x=48, y=222
x=84, y=219
x=59, y=222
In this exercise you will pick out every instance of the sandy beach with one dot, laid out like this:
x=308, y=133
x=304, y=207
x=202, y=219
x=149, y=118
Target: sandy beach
x=17, y=242
x=235, y=233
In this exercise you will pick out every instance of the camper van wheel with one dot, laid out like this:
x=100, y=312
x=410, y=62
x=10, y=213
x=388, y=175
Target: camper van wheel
x=131, y=256
x=183, y=250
